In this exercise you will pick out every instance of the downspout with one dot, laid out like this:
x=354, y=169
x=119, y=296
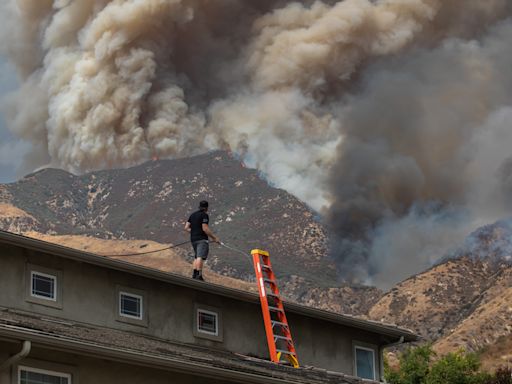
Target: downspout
x=25, y=350
x=381, y=356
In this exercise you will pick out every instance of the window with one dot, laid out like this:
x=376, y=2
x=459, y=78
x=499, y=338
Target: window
x=130, y=305
x=207, y=322
x=43, y=286
x=28, y=375
x=365, y=363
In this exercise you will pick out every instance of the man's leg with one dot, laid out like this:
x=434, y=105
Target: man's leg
x=201, y=256
x=198, y=268
x=199, y=264
x=194, y=264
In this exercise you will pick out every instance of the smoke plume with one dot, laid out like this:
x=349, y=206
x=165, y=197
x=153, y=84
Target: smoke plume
x=391, y=117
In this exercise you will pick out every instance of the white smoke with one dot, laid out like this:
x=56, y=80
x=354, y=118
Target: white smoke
x=364, y=109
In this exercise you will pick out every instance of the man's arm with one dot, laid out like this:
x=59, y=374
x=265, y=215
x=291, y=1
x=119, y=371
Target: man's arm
x=207, y=230
x=187, y=226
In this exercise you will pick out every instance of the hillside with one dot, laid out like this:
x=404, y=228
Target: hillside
x=497, y=354
x=433, y=302
x=489, y=322
x=13, y=219
x=464, y=302
x=152, y=201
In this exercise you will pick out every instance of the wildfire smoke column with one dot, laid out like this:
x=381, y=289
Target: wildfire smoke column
x=382, y=115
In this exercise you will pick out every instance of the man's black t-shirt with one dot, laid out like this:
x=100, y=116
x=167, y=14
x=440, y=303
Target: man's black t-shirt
x=196, y=220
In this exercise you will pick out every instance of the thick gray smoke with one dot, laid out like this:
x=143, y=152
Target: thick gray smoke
x=426, y=154
x=389, y=116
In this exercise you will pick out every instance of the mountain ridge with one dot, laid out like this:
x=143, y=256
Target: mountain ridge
x=459, y=302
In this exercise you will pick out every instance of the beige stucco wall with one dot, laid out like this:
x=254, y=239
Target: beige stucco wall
x=89, y=295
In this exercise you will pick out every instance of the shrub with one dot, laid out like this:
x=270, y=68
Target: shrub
x=456, y=368
x=417, y=367
x=414, y=366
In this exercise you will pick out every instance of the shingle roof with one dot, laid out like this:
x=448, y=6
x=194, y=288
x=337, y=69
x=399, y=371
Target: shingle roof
x=161, y=354
x=91, y=258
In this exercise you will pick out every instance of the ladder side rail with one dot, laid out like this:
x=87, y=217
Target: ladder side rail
x=275, y=321
x=264, y=308
x=279, y=303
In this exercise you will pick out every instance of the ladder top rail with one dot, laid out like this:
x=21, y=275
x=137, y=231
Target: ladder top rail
x=259, y=252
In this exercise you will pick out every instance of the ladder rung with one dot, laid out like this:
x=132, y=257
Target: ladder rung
x=273, y=295
x=274, y=322
x=265, y=266
x=282, y=338
x=275, y=309
x=286, y=352
x=269, y=281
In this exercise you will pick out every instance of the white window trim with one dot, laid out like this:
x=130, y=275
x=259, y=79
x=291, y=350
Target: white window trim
x=356, y=347
x=199, y=330
x=54, y=278
x=44, y=372
x=141, y=298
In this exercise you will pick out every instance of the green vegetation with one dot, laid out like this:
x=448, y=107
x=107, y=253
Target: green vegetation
x=419, y=366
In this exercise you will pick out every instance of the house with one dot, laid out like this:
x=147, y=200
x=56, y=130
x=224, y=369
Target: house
x=69, y=317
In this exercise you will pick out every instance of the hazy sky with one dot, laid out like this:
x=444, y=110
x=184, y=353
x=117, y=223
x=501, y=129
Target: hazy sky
x=11, y=149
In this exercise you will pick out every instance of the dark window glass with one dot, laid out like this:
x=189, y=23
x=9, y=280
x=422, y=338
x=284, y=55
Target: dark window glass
x=207, y=322
x=365, y=364
x=28, y=377
x=131, y=305
x=43, y=286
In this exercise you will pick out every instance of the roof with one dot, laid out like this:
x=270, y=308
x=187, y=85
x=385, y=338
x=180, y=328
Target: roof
x=91, y=258
x=127, y=347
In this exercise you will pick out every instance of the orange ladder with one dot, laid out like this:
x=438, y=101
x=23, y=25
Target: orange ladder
x=279, y=337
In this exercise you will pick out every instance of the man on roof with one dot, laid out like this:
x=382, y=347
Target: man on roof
x=197, y=225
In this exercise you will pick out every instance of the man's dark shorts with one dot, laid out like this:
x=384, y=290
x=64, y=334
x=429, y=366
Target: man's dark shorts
x=201, y=248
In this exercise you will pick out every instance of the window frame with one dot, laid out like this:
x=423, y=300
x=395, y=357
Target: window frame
x=144, y=306
x=47, y=372
x=204, y=334
x=132, y=295
x=368, y=348
x=57, y=275
x=53, y=277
